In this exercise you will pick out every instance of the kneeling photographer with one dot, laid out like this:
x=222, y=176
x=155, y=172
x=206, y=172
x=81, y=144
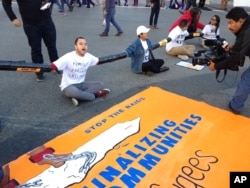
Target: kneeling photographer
x=238, y=23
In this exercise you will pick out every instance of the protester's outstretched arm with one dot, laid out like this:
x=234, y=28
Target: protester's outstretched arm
x=161, y=43
x=194, y=35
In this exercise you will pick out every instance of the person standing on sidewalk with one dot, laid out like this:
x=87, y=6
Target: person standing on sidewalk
x=38, y=25
x=155, y=10
x=110, y=18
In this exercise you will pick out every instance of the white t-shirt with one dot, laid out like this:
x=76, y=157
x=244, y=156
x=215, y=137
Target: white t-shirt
x=177, y=36
x=74, y=67
x=209, y=31
x=145, y=47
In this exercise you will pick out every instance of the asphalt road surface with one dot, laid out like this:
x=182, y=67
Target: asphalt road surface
x=32, y=113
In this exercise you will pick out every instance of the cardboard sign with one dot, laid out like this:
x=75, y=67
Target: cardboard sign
x=154, y=139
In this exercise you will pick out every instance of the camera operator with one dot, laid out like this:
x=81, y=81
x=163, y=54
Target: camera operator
x=238, y=23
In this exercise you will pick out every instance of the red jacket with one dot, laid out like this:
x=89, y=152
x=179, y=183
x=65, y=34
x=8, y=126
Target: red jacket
x=188, y=17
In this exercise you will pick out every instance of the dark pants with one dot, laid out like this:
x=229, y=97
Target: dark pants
x=35, y=33
x=153, y=65
x=90, y=2
x=202, y=3
x=190, y=3
x=153, y=19
x=78, y=2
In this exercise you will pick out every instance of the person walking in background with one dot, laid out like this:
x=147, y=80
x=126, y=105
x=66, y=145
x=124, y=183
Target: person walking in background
x=140, y=51
x=211, y=31
x=155, y=10
x=90, y=2
x=110, y=18
x=188, y=5
x=74, y=66
x=78, y=2
x=38, y=25
x=70, y=7
x=172, y=5
x=202, y=5
x=176, y=46
x=224, y=4
x=193, y=17
x=135, y=3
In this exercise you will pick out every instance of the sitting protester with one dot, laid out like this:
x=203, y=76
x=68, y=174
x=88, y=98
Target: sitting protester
x=211, y=31
x=176, y=46
x=140, y=51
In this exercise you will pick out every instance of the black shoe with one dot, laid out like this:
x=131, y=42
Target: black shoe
x=103, y=34
x=206, y=8
x=233, y=110
x=119, y=33
x=39, y=77
x=163, y=69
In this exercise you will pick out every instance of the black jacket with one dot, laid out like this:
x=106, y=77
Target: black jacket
x=29, y=11
x=241, y=48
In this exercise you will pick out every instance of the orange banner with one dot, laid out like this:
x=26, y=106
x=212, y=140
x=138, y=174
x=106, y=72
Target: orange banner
x=154, y=139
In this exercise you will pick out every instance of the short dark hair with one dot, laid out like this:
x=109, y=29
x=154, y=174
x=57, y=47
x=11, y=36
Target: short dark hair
x=237, y=13
x=76, y=40
x=183, y=23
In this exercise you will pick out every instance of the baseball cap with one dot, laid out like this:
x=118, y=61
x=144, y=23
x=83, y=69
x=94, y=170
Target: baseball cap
x=142, y=29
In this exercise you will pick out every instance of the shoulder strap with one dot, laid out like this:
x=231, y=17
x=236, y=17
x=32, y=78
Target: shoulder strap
x=218, y=73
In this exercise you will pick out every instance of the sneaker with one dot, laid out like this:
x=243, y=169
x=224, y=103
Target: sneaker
x=233, y=110
x=164, y=68
x=39, y=77
x=155, y=27
x=183, y=57
x=102, y=93
x=74, y=101
x=103, y=34
x=119, y=33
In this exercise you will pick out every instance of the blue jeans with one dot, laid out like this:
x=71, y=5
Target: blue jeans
x=35, y=33
x=242, y=91
x=110, y=17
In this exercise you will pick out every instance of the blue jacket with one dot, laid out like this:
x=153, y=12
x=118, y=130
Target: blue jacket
x=136, y=52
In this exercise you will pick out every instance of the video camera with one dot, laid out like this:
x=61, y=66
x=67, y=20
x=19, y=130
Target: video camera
x=215, y=53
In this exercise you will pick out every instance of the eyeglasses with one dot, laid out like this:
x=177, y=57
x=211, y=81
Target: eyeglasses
x=213, y=19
